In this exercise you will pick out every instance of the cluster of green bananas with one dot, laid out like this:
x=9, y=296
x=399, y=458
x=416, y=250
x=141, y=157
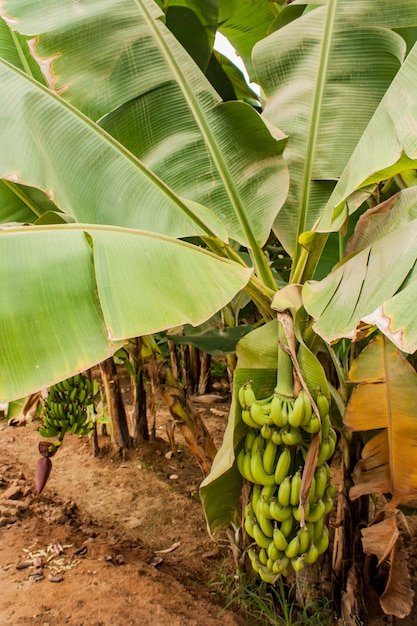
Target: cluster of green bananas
x=65, y=407
x=279, y=434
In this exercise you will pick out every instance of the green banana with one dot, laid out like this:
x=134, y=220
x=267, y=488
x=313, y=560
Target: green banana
x=262, y=508
x=287, y=526
x=322, y=404
x=291, y=437
x=308, y=411
x=323, y=543
x=318, y=529
x=248, y=524
x=311, y=555
x=258, y=444
x=276, y=411
x=283, y=465
x=261, y=539
x=313, y=426
x=304, y=537
x=265, y=525
x=268, y=491
x=258, y=472
x=297, y=563
x=279, y=540
x=266, y=431
x=325, y=427
x=246, y=417
x=273, y=552
x=316, y=512
x=276, y=437
x=278, y=512
x=320, y=476
x=328, y=504
x=296, y=417
x=241, y=397
x=263, y=556
x=284, y=492
x=268, y=458
x=248, y=394
x=250, y=439
x=266, y=574
x=295, y=489
x=82, y=395
x=247, y=472
x=293, y=548
x=280, y=565
x=256, y=494
x=258, y=415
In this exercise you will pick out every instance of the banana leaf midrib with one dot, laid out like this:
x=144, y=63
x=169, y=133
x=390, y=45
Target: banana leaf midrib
x=315, y=122
x=111, y=141
x=203, y=125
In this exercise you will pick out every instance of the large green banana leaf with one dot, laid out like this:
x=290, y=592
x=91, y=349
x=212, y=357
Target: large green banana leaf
x=53, y=146
x=324, y=74
x=152, y=97
x=71, y=294
x=377, y=284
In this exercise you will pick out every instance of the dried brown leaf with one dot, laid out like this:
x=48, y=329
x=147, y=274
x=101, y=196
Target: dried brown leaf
x=398, y=596
x=380, y=539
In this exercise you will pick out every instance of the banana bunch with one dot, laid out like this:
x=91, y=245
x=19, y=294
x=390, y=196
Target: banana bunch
x=280, y=430
x=65, y=407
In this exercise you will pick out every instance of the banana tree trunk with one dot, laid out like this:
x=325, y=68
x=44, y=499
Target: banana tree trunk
x=190, y=424
x=118, y=420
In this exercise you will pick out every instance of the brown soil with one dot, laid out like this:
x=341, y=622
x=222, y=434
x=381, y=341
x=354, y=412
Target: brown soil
x=117, y=541
x=93, y=548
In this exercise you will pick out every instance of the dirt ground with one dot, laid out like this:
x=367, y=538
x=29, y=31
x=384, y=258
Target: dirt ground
x=114, y=542
x=108, y=542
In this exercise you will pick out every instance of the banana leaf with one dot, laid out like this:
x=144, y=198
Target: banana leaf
x=376, y=285
x=152, y=97
x=324, y=75
x=90, y=289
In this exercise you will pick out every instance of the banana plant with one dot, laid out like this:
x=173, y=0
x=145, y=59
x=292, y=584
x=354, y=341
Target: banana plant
x=129, y=190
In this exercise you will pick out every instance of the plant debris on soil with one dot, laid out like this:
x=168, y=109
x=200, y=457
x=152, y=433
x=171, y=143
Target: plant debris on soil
x=109, y=541
x=119, y=542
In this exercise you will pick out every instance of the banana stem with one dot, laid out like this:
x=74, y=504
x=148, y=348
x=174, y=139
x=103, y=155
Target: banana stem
x=285, y=379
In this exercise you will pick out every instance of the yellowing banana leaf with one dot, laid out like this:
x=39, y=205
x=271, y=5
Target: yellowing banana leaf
x=324, y=75
x=385, y=398
x=71, y=294
x=151, y=96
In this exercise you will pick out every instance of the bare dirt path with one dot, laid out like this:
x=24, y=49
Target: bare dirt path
x=87, y=550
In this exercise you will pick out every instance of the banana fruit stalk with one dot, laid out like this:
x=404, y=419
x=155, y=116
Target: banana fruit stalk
x=279, y=432
x=65, y=410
